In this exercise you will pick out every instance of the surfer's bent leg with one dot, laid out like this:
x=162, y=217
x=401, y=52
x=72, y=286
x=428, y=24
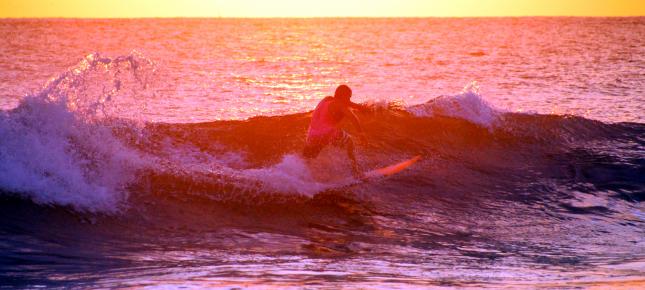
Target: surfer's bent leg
x=346, y=141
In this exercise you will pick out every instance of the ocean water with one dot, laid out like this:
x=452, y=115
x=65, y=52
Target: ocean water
x=149, y=152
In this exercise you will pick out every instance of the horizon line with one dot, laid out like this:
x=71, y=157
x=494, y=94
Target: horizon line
x=323, y=17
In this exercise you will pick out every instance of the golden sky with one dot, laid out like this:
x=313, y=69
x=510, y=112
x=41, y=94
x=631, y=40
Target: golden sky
x=316, y=8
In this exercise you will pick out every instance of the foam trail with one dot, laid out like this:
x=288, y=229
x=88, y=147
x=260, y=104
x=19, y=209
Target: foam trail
x=290, y=175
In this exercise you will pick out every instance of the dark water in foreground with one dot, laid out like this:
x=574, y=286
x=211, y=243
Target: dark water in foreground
x=94, y=194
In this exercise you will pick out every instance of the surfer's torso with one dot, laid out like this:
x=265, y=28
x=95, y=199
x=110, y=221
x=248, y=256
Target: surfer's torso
x=325, y=119
x=324, y=128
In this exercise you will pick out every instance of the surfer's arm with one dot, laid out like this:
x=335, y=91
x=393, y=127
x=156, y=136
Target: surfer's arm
x=352, y=117
x=356, y=106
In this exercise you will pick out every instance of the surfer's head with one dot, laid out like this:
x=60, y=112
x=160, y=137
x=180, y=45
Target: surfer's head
x=343, y=92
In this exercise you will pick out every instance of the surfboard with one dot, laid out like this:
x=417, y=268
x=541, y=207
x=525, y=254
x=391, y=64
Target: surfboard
x=376, y=173
x=392, y=169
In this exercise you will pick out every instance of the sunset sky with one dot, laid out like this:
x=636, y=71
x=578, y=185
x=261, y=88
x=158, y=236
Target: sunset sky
x=326, y=8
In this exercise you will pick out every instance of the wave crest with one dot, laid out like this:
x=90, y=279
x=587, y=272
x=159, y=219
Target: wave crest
x=60, y=146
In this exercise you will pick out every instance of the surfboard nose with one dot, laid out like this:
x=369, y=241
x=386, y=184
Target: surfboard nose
x=393, y=169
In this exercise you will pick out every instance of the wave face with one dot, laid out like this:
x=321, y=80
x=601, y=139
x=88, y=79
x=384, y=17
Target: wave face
x=88, y=184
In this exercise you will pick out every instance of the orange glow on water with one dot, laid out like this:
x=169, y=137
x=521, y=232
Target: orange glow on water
x=329, y=8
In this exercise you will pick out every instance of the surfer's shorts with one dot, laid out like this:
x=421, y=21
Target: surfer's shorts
x=315, y=144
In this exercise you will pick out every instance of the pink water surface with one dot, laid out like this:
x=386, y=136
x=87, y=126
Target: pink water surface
x=237, y=68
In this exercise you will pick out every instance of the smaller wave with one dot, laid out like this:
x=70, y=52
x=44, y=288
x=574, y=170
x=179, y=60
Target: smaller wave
x=468, y=105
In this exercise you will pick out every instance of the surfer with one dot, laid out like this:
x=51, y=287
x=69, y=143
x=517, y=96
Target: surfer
x=324, y=128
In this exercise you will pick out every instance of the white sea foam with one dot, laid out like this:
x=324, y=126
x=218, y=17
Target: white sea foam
x=52, y=156
x=59, y=146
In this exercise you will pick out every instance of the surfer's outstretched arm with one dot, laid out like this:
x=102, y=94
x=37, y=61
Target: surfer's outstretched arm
x=356, y=106
x=352, y=117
